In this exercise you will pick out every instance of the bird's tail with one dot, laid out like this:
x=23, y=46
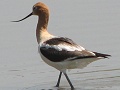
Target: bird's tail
x=102, y=55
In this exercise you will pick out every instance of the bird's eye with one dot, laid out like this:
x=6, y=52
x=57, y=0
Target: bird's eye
x=34, y=8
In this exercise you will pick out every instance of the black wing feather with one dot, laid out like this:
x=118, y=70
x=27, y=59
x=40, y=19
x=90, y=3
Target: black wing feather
x=60, y=40
x=57, y=56
x=101, y=55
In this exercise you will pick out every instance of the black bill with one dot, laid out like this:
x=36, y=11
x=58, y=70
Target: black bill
x=24, y=17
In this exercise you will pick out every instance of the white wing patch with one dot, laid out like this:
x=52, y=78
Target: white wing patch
x=70, y=48
x=61, y=47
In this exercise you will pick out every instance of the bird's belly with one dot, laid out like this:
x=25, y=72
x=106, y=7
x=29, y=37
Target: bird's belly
x=79, y=63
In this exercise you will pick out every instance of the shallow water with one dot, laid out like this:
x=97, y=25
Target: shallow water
x=93, y=24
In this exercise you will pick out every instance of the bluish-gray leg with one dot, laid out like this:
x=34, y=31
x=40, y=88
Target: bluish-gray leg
x=57, y=85
x=72, y=87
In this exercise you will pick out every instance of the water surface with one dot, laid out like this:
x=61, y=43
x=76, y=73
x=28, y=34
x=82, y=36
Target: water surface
x=94, y=24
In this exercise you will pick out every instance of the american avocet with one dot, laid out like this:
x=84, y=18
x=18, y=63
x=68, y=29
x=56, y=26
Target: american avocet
x=60, y=52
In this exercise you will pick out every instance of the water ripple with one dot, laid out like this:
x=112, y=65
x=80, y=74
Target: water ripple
x=106, y=70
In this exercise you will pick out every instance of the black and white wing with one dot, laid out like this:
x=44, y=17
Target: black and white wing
x=61, y=49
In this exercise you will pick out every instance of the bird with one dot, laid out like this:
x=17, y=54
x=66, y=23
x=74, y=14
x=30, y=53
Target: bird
x=61, y=53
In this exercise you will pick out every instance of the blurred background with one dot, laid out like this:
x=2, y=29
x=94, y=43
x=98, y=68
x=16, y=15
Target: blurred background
x=94, y=24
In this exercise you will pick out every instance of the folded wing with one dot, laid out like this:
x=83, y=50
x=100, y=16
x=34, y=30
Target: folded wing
x=61, y=49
